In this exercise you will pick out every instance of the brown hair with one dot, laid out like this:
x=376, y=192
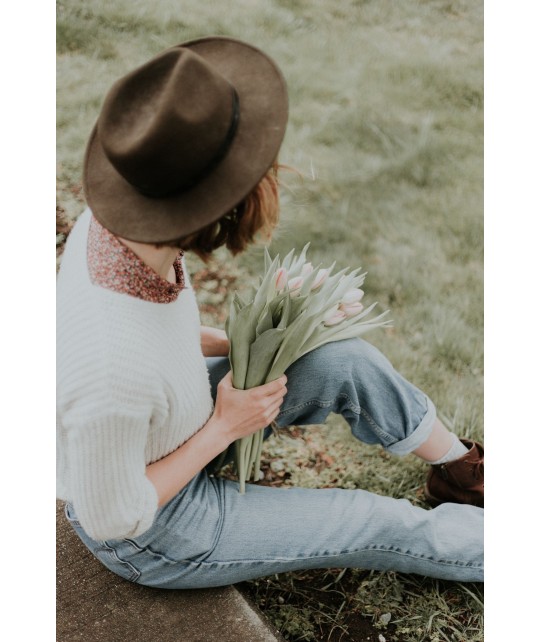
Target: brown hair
x=257, y=213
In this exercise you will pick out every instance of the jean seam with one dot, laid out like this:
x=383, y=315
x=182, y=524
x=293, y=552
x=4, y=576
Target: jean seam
x=147, y=549
x=135, y=573
x=382, y=434
x=374, y=548
x=218, y=486
x=323, y=404
x=358, y=410
x=169, y=560
x=311, y=402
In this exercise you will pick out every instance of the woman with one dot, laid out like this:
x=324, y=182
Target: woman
x=183, y=156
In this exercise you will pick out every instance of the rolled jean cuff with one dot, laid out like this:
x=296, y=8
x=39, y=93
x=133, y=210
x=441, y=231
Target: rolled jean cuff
x=419, y=436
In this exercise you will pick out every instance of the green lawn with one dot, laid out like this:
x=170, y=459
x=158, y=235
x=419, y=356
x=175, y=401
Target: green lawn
x=386, y=129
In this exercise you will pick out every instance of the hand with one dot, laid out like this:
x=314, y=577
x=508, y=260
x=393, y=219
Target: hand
x=239, y=413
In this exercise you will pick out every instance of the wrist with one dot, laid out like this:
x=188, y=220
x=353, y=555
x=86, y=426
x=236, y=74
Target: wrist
x=220, y=432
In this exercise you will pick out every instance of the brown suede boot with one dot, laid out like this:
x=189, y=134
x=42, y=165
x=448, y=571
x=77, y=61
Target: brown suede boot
x=460, y=481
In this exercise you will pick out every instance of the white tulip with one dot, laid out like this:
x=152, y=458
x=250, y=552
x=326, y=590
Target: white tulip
x=352, y=296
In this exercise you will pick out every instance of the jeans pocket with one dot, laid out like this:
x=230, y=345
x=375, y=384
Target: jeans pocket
x=107, y=555
x=187, y=528
x=104, y=551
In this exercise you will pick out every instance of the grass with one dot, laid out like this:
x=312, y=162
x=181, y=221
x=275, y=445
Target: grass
x=386, y=121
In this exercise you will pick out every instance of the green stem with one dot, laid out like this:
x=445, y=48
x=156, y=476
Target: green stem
x=253, y=455
x=257, y=472
x=246, y=449
x=240, y=465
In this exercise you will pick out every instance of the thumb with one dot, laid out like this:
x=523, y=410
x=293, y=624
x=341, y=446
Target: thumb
x=226, y=382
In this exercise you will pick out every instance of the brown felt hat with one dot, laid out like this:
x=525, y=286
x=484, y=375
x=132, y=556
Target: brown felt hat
x=181, y=140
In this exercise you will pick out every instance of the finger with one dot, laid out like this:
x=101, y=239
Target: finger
x=275, y=397
x=226, y=382
x=273, y=411
x=274, y=386
x=278, y=396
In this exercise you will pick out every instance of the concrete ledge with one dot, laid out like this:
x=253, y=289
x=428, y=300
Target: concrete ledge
x=94, y=605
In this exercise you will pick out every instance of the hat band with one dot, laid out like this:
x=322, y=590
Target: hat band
x=235, y=118
x=218, y=156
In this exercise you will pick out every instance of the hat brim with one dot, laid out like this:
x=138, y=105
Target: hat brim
x=262, y=94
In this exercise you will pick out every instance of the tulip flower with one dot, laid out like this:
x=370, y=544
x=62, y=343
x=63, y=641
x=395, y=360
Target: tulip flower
x=295, y=284
x=352, y=296
x=352, y=309
x=337, y=316
x=274, y=326
x=321, y=277
x=281, y=279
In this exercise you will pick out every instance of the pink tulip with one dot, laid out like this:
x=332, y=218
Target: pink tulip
x=295, y=284
x=307, y=269
x=333, y=316
x=351, y=309
x=281, y=279
x=352, y=296
x=321, y=277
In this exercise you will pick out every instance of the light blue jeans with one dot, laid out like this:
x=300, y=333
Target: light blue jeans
x=210, y=535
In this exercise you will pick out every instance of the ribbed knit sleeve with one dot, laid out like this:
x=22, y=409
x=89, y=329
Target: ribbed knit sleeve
x=112, y=496
x=108, y=403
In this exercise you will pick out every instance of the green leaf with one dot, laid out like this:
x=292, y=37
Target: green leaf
x=276, y=305
x=297, y=264
x=262, y=296
x=295, y=336
x=285, y=312
x=288, y=260
x=309, y=280
x=267, y=259
x=265, y=321
x=230, y=319
x=241, y=335
x=240, y=301
x=341, y=332
x=298, y=304
x=261, y=356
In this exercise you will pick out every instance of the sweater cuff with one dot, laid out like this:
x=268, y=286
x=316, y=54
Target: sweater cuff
x=148, y=510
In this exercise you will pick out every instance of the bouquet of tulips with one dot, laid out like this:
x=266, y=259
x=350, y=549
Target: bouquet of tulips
x=295, y=309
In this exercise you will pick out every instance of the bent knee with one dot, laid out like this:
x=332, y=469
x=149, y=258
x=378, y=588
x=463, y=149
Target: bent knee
x=323, y=372
x=346, y=354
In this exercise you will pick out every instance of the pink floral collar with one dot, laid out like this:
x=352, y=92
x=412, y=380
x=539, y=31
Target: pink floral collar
x=114, y=266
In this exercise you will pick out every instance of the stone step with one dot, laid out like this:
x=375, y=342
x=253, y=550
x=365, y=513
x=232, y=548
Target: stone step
x=94, y=605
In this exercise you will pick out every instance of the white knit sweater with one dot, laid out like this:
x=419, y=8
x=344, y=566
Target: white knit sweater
x=132, y=387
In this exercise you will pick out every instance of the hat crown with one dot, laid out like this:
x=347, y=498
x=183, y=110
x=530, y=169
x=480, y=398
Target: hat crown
x=166, y=124
x=182, y=139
